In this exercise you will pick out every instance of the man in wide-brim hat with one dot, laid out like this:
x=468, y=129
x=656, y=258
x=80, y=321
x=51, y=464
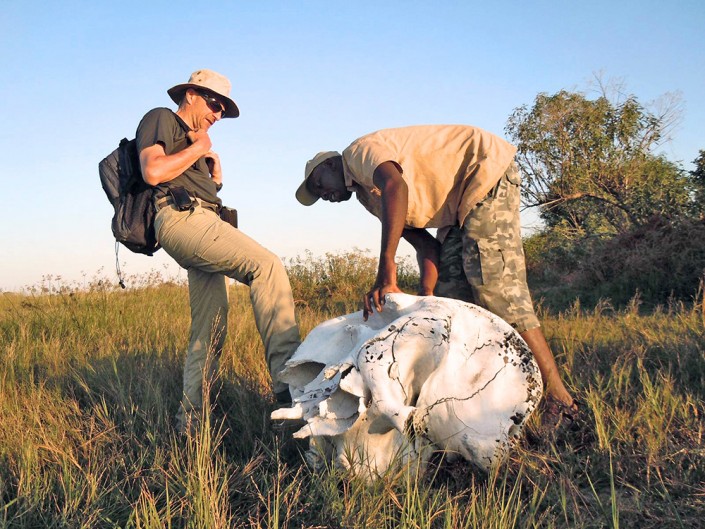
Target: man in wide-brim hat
x=209, y=83
x=176, y=157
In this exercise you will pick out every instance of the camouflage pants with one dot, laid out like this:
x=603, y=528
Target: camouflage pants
x=483, y=261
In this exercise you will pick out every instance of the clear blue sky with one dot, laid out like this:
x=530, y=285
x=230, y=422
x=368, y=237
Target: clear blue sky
x=308, y=76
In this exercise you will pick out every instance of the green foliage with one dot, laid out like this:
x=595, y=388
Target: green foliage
x=339, y=282
x=665, y=191
x=589, y=165
x=698, y=176
x=661, y=262
x=618, y=219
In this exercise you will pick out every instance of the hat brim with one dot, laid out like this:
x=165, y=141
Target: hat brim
x=304, y=196
x=176, y=93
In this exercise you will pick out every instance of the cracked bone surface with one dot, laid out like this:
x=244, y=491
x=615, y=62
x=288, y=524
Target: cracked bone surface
x=425, y=374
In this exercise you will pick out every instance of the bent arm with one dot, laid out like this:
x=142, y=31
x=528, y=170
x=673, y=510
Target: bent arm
x=395, y=200
x=427, y=254
x=158, y=167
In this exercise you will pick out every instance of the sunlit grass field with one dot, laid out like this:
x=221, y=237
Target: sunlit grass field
x=90, y=380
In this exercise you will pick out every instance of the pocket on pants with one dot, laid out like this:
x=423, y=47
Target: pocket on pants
x=483, y=263
x=513, y=174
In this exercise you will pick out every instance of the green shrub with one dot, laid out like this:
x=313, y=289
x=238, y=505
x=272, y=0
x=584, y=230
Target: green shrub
x=337, y=283
x=661, y=262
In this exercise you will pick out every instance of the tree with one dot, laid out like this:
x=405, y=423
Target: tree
x=589, y=164
x=698, y=176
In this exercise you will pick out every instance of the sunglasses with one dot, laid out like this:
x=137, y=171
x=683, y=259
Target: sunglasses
x=213, y=103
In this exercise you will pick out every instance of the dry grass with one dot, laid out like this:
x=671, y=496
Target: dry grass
x=90, y=380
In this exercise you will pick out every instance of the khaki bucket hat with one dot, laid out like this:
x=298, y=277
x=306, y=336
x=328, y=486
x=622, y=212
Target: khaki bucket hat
x=303, y=195
x=211, y=82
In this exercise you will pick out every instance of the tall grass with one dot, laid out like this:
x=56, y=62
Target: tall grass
x=90, y=381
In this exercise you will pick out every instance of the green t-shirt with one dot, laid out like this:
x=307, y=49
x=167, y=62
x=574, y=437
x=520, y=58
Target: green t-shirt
x=163, y=126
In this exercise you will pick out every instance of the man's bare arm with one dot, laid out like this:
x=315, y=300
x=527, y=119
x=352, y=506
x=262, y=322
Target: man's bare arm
x=395, y=200
x=158, y=167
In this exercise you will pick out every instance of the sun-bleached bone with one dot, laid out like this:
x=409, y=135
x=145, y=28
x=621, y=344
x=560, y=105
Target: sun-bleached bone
x=425, y=374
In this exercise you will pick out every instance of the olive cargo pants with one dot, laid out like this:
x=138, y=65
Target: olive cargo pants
x=210, y=249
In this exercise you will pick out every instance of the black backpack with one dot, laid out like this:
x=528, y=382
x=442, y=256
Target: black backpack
x=131, y=197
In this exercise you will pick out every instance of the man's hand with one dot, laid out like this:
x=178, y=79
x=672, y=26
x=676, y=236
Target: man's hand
x=375, y=298
x=385, y=283
x=200, y=139
x=213, y=161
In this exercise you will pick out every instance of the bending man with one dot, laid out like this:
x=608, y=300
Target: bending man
x=463, y=181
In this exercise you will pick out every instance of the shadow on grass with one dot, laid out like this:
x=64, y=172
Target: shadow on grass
x=139, y=394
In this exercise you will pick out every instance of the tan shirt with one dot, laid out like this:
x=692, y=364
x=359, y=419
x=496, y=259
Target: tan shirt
x=447, y=168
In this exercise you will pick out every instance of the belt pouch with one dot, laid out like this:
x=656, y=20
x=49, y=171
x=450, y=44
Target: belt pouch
x=182, y=200
x=229, y=215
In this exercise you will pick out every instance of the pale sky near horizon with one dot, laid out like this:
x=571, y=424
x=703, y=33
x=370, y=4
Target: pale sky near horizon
x=308, y=76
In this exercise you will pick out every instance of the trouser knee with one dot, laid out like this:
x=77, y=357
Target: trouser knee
x=512, y=304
